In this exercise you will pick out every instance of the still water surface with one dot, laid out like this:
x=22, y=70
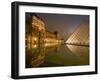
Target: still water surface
x=57, y=55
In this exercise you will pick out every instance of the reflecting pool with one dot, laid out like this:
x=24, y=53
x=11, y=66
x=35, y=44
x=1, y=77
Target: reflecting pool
x=52, y=55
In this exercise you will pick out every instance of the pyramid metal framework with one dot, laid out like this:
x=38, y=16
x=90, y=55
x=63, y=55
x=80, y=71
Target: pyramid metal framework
x=80, y=36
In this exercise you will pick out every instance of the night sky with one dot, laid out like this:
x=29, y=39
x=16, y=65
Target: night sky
x=64, y=24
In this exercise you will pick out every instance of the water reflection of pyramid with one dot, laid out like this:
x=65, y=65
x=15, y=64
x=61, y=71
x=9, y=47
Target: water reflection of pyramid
x=80, y=36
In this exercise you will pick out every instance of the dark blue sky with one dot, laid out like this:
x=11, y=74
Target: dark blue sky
x=65, y=24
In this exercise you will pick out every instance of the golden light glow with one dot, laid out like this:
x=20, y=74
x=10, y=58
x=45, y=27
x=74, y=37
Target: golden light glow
x=50, y=44
x=38, y=23
x=39, y=36
x=35, y=38
x=34, y=46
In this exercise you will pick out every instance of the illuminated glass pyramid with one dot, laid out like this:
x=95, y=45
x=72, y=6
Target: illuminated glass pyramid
x=80, y=36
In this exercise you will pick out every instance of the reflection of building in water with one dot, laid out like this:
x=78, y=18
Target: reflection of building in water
x=76, y=50
x=35, y=57
x=80, y=36
x=81, y=52
x=36, y=33
x=58, y=55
